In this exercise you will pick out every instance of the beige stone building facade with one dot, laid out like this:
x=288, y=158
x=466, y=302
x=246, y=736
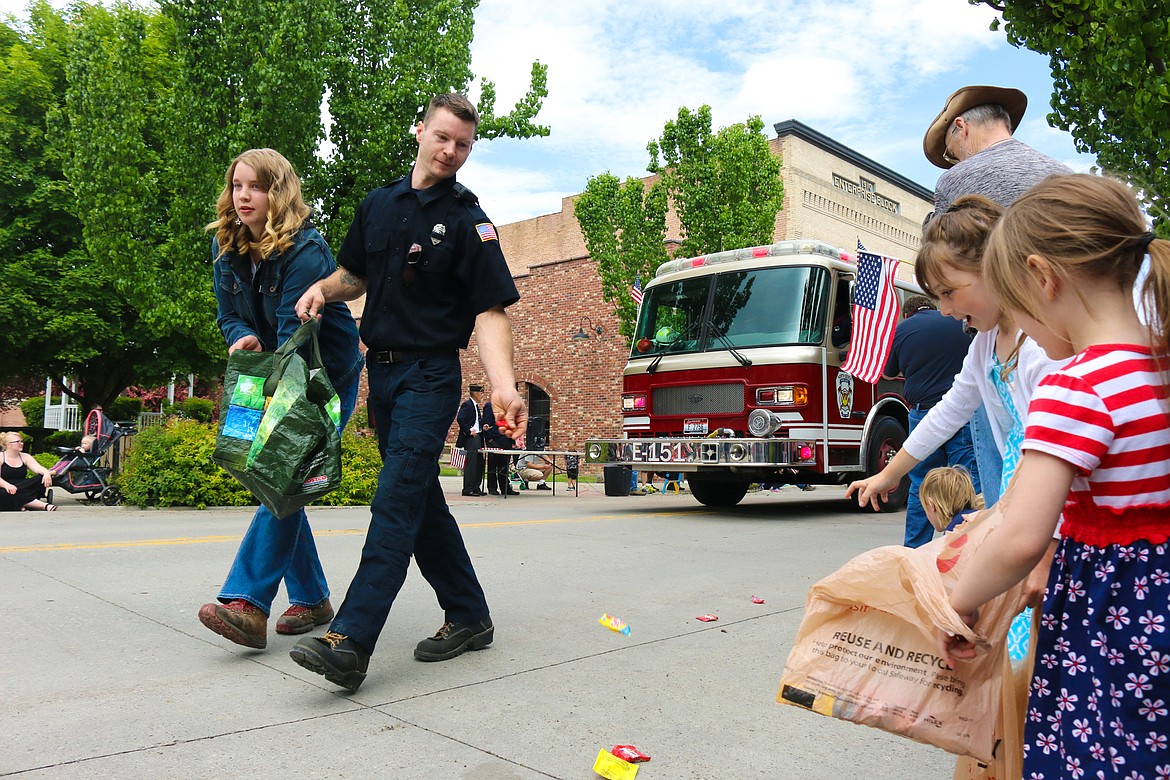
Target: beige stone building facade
x=573, y=386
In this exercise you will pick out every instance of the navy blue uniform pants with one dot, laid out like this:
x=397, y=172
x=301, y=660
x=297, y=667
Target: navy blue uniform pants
x=414, y=405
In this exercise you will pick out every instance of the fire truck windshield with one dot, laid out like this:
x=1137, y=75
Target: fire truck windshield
x=761, y=307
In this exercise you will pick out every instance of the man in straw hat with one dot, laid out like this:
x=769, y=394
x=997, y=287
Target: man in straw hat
x=972, y=137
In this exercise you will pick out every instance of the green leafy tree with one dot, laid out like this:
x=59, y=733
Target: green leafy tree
x=74, y=215
x=392, y=57
x=624, y=227
x=253, y=76
x=724, y=186
x=119, y=120
x=1111, y=89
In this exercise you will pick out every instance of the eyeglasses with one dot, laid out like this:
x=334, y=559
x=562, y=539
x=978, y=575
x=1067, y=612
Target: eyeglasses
x=947, y=145
x=15, y=441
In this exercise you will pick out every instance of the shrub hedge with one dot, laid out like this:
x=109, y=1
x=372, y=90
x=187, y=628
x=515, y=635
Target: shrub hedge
x=200, y=409
x=62, y=439
x=34, y=411
x=171, y=465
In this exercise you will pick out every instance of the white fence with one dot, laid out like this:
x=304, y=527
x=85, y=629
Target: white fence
x=62, y=417
x=147, y=419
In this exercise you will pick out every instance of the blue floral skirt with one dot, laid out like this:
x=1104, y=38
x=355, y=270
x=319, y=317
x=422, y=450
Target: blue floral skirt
x=1099, y=705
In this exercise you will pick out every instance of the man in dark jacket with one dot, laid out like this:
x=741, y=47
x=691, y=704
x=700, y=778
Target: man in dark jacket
x=470, y=438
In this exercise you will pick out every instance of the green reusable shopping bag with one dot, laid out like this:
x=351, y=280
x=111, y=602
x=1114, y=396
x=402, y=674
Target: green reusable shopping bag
x=279, y=424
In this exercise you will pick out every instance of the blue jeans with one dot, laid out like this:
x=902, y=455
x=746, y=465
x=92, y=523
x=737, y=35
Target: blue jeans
x=987, y=456
x=276, y=548
x=956, y=451
x=414, y=405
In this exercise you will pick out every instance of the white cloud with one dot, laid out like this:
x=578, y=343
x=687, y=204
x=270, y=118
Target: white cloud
x=870, y=74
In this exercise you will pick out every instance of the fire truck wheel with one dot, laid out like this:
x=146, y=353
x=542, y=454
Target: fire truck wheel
x=714, y=493
x=886, y=439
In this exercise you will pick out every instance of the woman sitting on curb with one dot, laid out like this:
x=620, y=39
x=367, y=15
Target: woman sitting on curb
x=17, y=489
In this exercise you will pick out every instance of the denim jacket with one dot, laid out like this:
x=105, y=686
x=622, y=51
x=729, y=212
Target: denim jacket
x=278, y=284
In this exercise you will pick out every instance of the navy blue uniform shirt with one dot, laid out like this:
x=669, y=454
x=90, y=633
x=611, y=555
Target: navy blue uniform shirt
x=459, y=273
x=928, y=350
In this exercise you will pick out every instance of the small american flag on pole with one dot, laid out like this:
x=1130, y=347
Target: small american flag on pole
x=875, y=315
x=636, y=289
x=458, y=457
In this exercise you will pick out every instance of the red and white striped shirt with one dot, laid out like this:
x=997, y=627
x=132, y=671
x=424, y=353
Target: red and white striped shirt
x=1103, y=413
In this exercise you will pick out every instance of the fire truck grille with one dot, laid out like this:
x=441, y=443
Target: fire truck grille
x=699, y=399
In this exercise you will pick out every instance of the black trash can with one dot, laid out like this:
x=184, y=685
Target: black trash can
x=617, y=480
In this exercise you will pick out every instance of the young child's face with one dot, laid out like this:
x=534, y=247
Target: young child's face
x=1056, y=346
x=964, y=296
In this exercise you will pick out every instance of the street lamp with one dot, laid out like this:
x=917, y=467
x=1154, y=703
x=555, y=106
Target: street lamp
x=582, y=334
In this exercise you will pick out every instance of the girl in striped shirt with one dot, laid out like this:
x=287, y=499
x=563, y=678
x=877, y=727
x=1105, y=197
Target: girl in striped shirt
x=1063, y=260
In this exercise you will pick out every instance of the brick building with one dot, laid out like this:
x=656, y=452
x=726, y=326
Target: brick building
x=573, y=386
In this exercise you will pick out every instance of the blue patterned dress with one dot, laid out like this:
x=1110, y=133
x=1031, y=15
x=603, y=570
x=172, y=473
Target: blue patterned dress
x=1099, y=705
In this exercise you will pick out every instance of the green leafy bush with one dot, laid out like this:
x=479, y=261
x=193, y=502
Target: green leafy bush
x=171, y=465
x=34, y=411
x=200, y=409
x=360, y=464
x=47, y=459
x=125, y=409
x=62, y=439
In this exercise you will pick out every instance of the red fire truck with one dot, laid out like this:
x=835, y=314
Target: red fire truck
x=735, y=376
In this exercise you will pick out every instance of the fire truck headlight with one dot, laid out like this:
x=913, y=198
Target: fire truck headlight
x=594, y=451
x=785, y=395
x=737, y=452
x=762, y=423
x=634, y=402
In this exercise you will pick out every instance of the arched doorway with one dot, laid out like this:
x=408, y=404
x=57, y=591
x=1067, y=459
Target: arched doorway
x=539, y=414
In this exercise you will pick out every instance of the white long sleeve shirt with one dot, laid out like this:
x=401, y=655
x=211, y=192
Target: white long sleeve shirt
x=973, y=386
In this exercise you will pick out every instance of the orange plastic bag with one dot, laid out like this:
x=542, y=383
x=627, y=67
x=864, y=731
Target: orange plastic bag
x=1008, y=761
x=866, y=651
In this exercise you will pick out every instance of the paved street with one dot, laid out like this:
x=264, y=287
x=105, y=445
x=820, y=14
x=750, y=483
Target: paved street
x=107, y=672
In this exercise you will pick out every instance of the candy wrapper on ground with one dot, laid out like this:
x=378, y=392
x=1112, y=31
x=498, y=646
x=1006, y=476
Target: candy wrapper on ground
x=707, y=618
x=757, y=600
x=611, y=767
x=614, y=624
x=630, y=753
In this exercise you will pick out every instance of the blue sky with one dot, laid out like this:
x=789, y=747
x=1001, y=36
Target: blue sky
x=871, y=74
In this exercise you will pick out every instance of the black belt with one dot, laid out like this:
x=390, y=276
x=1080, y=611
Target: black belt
x=926, y=405
x=396, y=356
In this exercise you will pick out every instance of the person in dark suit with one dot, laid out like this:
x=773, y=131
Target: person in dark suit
x=497, y=465
x=470, y=438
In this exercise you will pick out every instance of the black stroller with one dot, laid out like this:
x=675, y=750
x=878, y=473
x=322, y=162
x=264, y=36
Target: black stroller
x=79, y=470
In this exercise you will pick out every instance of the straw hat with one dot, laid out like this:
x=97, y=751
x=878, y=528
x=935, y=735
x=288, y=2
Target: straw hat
x=934, y=144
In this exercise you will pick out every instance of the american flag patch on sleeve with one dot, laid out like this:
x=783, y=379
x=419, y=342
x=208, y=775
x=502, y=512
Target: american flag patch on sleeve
x=487, y=231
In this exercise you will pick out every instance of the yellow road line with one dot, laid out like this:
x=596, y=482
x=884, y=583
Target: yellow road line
x=236, y=538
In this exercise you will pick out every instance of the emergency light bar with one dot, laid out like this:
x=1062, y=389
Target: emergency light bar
x=779, y=249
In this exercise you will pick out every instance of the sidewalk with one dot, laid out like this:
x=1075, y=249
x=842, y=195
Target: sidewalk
x=107, y=672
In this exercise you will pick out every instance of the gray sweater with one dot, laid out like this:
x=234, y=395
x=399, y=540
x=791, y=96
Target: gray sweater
x=1002, y=172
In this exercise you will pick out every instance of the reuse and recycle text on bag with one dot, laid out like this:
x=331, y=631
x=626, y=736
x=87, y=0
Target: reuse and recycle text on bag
x=279, y=424
x=866, y=649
